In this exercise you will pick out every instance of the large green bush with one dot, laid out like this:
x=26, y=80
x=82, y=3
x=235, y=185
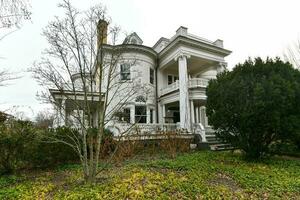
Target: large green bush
x=22, y=145
x=256, y=104
x=16, y=138
x=46, y=152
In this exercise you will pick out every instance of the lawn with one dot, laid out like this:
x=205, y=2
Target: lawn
x=198, y=175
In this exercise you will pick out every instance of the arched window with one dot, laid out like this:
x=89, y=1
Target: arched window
x=140, y=99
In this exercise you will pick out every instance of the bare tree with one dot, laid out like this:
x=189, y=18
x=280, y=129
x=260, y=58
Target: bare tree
x=6, y=76
x=12, y=15
x=44, y=119
x=292, y=54
x=82, y=72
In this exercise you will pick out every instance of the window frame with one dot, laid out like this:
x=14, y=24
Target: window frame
x=173, y=79
x=141, y=116
x=151, y=76
x=125, y=75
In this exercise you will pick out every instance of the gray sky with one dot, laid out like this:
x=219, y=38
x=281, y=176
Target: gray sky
x=248, y=28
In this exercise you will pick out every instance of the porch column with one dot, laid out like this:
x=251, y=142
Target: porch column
x=60, y=118
x=197, y=114
x=185, y=116
x=192, y=112
x=202, y=116
x=148, y=115
x=64, y=113
x=163, y=113
x=132, y=114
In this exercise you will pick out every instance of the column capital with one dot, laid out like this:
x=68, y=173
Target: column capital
x=182, y=54
x=222, y=66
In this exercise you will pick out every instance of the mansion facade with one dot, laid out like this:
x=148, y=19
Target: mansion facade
x=176, y=71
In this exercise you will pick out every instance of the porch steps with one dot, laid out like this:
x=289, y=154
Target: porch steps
x=215, y=144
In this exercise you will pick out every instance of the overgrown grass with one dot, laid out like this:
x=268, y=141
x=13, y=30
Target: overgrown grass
x=199, y=175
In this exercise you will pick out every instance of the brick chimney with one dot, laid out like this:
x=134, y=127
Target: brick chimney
x=101, y=32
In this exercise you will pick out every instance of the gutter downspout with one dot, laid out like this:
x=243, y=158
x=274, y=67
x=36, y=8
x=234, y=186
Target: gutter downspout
x=156, y=88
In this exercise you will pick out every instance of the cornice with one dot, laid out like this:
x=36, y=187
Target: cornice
x=195, y=43
x=133, y=47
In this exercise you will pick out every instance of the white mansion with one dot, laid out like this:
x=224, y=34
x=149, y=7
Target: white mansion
x=177, y=70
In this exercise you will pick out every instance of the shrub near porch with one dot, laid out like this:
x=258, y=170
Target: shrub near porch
x=201, y=175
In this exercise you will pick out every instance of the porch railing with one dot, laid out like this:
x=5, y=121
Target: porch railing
x=198, y=82
x=192, y=83
x=170, y=88
x=146, y=128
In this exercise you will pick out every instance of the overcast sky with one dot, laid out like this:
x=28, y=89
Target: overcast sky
x=248, y=28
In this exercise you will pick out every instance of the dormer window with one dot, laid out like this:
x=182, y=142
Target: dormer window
x=125, y=72
x=133, y=38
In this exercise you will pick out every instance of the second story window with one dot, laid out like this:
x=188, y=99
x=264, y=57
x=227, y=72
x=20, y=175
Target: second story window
x=172, y=79
x=151, y=76
x=125, y=72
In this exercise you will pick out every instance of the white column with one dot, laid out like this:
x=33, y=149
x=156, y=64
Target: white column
x=163, y=113
x=185, y=116
x=192, y=112
x=202, y=115
x=64, y=113
x=197, y=114
x=148, y=115
x=132, y=114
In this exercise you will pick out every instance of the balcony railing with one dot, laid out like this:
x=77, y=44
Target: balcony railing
x=198, y=82
x=192, y=83
x=170, y=88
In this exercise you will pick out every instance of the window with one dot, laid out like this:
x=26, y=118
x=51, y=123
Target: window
x=140, y=114
x=140, y=99
x=170, y=79
x=126, y=117
x=151, y=76
x=125, y=72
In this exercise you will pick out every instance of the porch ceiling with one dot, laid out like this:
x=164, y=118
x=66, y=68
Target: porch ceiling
x=194, y=65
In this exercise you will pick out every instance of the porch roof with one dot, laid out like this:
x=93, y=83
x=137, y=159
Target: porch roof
x=77, y=95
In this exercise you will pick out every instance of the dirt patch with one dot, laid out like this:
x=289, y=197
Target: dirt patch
x=225, y=180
